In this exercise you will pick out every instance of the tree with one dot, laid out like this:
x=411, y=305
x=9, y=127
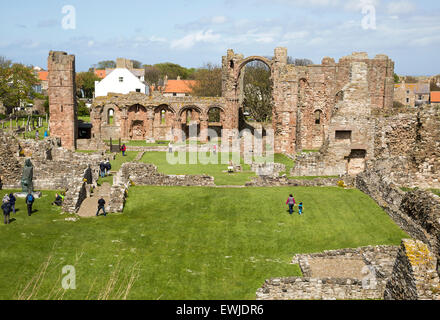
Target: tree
x=396, y=78
x=85, y=84
x=106, y=64
x=136, y=64
x=257, y=88
x=299, y=62
x=82, y=109
x=17, y=83
x=208, y=81
x=173, y=70
x=152, y=75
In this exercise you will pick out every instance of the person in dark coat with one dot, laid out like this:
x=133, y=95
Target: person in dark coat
x=58, y=200
x=102, y=169
x=108, y=167
x=12, y=201
x=6, y=207
x=29, y=201
x=101, y=206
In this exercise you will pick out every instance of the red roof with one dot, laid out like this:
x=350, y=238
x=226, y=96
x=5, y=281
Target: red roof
x=435, y=96
x=179, y=86
x=43, y=75
x=100, y=73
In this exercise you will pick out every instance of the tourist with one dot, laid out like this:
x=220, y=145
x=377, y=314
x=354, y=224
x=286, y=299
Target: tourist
x=230, y=167
x=6, y=199
x=170, y=147
x=58, y=200
x=6, y=207
x=46, y=134
x=29, y=201
x=123, y=149
x=102, y=169
x=108, y=167
x=300, y=208
x=101, y=204
x=12, y=201
x=215, y=148
x=37, y=135
x=291, y=202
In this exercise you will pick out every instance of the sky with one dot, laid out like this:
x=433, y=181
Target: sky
x=195, y=32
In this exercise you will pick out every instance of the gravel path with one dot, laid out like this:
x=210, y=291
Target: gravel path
x=90, y=205
x=336, y=268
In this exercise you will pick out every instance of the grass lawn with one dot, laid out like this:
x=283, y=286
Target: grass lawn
x=215, y=170
x=183, y=242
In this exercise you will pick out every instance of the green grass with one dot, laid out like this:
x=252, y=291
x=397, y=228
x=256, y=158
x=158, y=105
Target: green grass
x=309, y=151
x=84, y=118
x=185, y=242
x=288, y=162
x=435, y=191
x=215, y=170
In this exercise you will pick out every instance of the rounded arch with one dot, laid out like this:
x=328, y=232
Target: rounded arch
x=317, y=114
x=137, y=108
x=214, y=113
x=245, y=61
x=164, y=107
x=190, y=107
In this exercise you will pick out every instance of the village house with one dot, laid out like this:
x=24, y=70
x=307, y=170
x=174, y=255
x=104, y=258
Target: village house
x=178, y=88
x=412, y=94
x=435, y=98
x=124, y=79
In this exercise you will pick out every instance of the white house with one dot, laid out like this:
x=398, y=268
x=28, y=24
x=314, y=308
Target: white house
x=120, y=80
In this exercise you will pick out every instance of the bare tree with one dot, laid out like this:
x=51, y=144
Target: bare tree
x=208, y=81
x=299, y=62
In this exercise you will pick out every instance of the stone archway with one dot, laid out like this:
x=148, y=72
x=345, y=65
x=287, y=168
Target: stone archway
x=163, y=123
x=191, y=119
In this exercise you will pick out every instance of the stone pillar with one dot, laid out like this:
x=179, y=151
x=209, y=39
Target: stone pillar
x=203, y=128
x=150, y=124
x=62, y=99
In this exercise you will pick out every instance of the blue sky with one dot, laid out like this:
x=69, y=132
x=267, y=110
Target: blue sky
x=194, y=32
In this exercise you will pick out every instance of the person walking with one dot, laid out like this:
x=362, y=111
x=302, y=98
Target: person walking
x=300, y=208
x=170, y=147
x=12, y=201
x=37, y=135
x=291, y=202
x=5, y=198
x=123, y=149
x=101, y=206
x=29, y=201
x=6, y=207
x=108, y=167
x=102, y=169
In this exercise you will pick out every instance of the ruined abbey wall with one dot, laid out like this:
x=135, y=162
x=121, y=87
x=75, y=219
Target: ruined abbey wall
x=62, y=98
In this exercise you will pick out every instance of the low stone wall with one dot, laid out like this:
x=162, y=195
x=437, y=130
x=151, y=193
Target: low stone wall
x=416, y=212
x=296, y=288
x=146, y=174
x=268, y=169
x=266, y=181
x=414, y=274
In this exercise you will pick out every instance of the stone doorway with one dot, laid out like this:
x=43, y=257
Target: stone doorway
x=356, y=161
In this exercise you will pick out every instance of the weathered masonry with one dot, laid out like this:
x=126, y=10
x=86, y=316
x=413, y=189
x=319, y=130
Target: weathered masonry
x=305, y=98
x=62, y=98
x=306, y=105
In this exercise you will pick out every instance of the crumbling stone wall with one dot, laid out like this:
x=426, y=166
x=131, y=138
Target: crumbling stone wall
x=62, y=98
x=350, y=139
x=416, y=212
x=414, y=274
x=409, y=144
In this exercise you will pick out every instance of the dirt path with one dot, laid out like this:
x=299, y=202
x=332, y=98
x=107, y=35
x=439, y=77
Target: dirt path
x=90, y=205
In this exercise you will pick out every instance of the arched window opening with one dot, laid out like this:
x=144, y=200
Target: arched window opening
x=162, y=117
x=214, y=115
x=110, y=116
x=318, y=115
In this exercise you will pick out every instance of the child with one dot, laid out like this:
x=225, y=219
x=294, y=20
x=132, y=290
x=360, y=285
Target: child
x=291, y=202
x=300, y=208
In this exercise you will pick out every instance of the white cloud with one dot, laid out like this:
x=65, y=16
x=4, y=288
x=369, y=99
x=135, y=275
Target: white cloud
x=401, y=7
x=191, y=39
x=296, y=35
x=219, y=19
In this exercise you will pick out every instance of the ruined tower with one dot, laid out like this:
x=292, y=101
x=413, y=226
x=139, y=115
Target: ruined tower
x=62, y=101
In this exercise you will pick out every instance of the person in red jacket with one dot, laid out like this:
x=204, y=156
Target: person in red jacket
x=123, y=149
x=291, y=202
